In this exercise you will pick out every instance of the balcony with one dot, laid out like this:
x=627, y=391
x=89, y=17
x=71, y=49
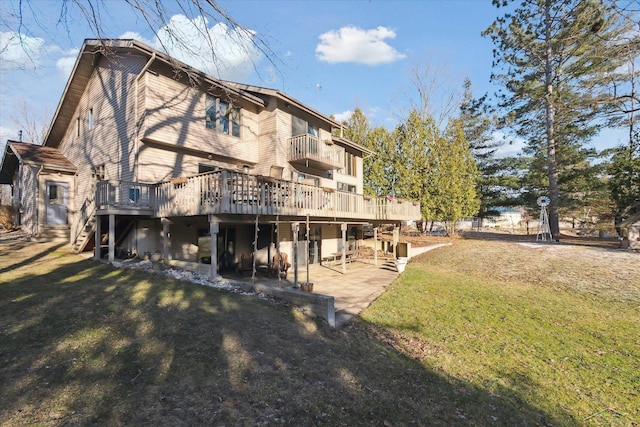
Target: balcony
x=312, y=152
x=230, y=192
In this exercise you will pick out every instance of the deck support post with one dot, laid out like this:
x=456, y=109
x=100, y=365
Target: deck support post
x=255, y=249
x=214, y=229
x=278, y=245
x=98, y=239
x=112, y=237
x=295, y=228
x=396, y=239
x=343, y=228
x=375, y=245
x=166, y=236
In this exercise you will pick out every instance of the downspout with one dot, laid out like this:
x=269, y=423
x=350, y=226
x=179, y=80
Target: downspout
x=44, y=201
x=136, y=115
x=17, y=198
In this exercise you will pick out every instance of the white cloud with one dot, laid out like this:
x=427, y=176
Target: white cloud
x=18, y=51
x=510, y=146
x=352, y=44
x=344, y=116
x=136, y=36
x=5, y=134
x=66, y=63
x=234, y=54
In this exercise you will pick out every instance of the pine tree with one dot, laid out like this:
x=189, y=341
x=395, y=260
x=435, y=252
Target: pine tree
x=551, y=56
x=478, y=128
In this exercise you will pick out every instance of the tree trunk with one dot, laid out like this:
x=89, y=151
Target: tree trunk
x=552, y=168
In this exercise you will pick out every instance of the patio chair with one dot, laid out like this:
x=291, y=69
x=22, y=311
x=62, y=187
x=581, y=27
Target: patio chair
x=281, y=261
x=245, y=264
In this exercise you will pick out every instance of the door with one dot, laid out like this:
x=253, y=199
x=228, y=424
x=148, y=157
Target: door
x=315, y=242
x=56, y=202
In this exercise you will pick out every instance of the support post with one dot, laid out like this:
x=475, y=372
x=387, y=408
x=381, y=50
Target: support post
x=343, y=228
x=98, y=239
x=307, y=252
x=375, y=245
x=295, y=228
x=255, y=250
x=278, y=246
x=112, y=237
x=166, y=235
x=396, y=239
x=214, y=229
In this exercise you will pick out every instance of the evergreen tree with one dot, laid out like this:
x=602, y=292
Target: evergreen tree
x=551, y=56
x=378, y=169
x=414, y=138
x=478, y=130
x=624, y=183
x=453, y=174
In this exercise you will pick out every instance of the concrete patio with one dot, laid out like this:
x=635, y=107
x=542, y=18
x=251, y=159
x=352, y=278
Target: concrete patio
x=352, y=291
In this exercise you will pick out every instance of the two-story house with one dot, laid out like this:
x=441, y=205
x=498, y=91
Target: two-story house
x=146, y=154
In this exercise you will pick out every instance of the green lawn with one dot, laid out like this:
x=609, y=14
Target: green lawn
x=564, y=350
x=448, y=344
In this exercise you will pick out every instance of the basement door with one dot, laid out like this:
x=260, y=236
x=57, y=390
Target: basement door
x=56, y=201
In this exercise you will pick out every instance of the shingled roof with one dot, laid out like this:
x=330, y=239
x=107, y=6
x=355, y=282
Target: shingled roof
x=31, y=154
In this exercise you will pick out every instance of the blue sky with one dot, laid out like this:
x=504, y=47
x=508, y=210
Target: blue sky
x=331, y=55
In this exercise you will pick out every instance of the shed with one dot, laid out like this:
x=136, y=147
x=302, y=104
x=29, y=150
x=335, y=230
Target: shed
x=630, y=229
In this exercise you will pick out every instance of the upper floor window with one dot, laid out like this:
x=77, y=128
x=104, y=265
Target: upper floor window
x=302, y=127
x=346, y=187
x=222, y=116
x=305, y=178
x=91, y=118
x=349, y=164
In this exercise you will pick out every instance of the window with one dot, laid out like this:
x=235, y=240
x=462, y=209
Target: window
x=98, y=173
x=349, y=164
x=302, y=127
x=134, y=195
x=202, y=168
x=90, y=118
x=53, y=194
x=346, y=187
x=305, y=178
x=222, y=116
x=78, y=126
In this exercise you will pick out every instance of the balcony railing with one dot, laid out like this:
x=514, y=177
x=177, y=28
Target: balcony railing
x=124, y=195
x=313, y=152
x=229, y=192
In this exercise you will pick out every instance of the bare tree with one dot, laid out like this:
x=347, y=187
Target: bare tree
x=157, y=15
x=33, y=126
x=437, y=94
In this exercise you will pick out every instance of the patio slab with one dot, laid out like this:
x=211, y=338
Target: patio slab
x=353, y=291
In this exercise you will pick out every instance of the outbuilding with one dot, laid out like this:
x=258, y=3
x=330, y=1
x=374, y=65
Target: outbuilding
x=630, y=229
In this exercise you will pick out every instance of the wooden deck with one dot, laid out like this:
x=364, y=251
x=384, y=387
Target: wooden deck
x=230, y=192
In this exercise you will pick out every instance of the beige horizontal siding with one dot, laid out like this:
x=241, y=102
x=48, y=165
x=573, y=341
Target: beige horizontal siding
x=175, y=115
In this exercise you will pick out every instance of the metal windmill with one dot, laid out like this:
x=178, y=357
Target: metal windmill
x=543, y=223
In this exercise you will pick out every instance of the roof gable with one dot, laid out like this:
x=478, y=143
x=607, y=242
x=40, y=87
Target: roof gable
x=17, y=153
x=88, y=59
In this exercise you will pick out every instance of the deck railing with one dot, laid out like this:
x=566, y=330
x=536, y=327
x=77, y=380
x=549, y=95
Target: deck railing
x=123, y=194
x=238, y=193
x=309, y=147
